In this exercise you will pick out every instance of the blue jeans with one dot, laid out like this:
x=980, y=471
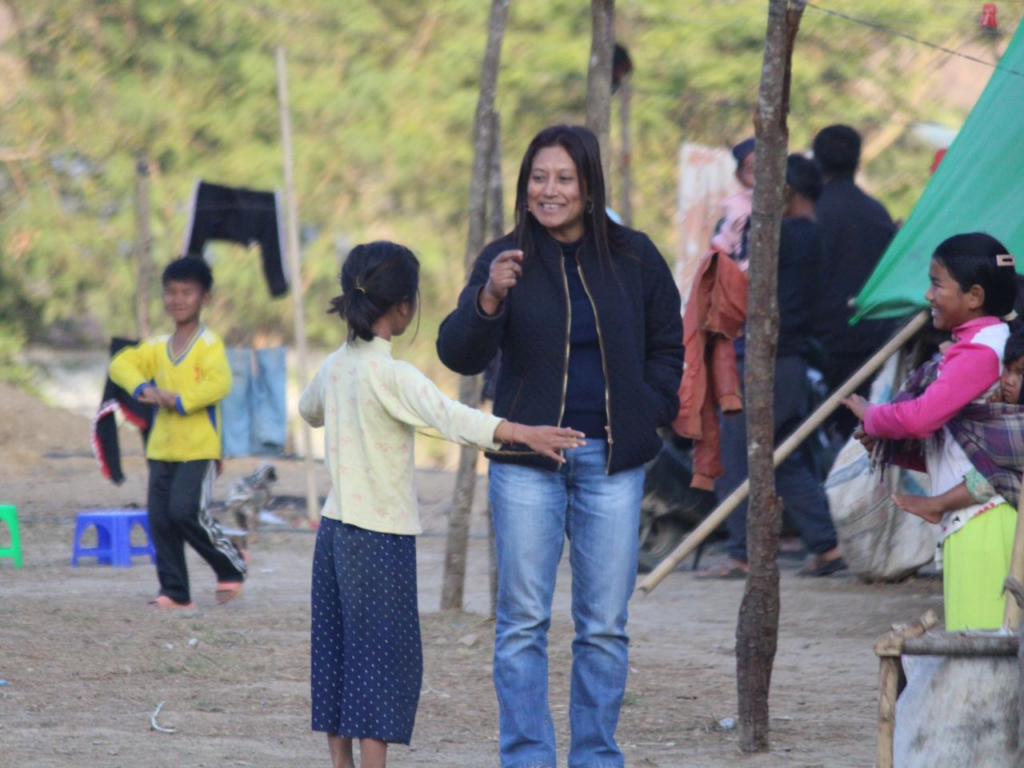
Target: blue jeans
x=534, y=510
x=254, y=413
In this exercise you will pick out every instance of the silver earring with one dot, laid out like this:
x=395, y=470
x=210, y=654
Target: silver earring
x=590, y=206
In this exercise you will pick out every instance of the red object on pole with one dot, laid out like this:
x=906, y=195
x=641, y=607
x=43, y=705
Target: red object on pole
x=939, y=155
x=988, y=16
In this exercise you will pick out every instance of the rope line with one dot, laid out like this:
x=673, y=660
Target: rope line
x=907, y=36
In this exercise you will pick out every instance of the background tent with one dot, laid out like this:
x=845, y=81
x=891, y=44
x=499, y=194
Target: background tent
x=978, y=187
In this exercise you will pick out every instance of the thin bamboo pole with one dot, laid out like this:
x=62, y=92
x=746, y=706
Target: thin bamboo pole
x=292, y=254
x=1011, y=615
x=722, y=511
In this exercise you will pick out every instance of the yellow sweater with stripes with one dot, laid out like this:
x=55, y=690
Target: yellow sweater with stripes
x=200, y=376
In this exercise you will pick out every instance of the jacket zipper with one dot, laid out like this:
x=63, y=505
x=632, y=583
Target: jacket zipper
x=568, y=328
x=604, y=364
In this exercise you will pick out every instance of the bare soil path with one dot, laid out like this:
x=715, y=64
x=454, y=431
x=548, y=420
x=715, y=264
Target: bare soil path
x=85, y=662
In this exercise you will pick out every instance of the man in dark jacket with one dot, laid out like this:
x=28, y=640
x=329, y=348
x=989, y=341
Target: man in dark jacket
x=855, y=231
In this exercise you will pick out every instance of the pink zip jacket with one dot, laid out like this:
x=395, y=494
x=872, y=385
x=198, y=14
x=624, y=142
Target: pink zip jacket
x=967, y=371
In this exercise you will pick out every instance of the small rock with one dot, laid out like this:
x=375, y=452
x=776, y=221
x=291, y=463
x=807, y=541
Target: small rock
x=170, y=646
x=727, y=724
x=194, y=642
x=469, y=640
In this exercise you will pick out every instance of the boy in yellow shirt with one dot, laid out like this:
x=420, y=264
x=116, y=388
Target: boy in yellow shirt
x=184, y=376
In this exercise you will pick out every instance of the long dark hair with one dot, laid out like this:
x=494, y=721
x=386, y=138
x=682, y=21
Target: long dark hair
x=374, y=278
x=971, y=259
x=582, y=146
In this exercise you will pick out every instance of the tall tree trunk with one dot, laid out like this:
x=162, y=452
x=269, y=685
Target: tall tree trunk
x=599, y=79
x=758, y=626
x=624, y=205
x=454, y=582
x=143, y=248
x=495, y=229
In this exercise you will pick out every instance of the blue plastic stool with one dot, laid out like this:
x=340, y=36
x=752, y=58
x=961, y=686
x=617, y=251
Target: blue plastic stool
x=113, y=536
x=9, y=515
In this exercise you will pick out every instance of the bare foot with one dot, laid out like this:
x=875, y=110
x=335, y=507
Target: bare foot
x=920, y=506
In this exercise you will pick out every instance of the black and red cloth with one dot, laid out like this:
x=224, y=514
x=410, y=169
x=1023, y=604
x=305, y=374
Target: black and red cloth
x=105, y=443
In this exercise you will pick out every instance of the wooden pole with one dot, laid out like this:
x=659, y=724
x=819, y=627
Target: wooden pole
x=805, y=430
x=624, y=205
x=454, y=579
x=599, y=78
x=1015, y=579
x=757, y=628
x=495, y=229
x=295, y=268
x=143, y=248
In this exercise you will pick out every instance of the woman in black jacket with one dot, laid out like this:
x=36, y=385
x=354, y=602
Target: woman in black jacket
x=586, y=316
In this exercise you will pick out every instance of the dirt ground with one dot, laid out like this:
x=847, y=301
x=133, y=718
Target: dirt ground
x=84, y=662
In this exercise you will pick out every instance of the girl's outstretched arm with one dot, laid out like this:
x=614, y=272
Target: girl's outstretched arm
x=967, y=372
x=547, y=441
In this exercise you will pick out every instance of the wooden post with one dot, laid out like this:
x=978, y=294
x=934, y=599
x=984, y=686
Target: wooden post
x=791, y=443
x=890, y=675
x=453, y=584
x=295, y=268
x=624, y=205
x=1015, y=578
x=495, y=229
x=758, y=626
x=599, y=78
x=143, y=248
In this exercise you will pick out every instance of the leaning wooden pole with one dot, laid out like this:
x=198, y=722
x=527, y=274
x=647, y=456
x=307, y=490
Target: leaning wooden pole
x=295, y=270
x=790, y=444
x=454, y=582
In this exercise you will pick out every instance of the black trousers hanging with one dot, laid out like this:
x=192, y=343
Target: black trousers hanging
x=179, y=512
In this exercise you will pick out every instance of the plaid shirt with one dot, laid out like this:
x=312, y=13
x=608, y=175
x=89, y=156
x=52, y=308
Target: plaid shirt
x=991, y=434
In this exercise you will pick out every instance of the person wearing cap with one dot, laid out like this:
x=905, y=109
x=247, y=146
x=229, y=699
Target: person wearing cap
x=735, y=208
x=803, y=496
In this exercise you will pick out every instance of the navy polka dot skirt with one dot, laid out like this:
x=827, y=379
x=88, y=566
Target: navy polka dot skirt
x=367, y=660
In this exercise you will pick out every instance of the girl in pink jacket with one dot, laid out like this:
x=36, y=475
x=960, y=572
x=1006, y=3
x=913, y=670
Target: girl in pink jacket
x=972, y=294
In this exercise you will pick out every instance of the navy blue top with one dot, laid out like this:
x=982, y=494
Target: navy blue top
x=585, y=390
x=800, y=267
x=637, y=306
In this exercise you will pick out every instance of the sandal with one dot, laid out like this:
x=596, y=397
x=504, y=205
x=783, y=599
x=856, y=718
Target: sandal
x=164, y=603
x=823, y=568
x=227, y=591
x=730, y=572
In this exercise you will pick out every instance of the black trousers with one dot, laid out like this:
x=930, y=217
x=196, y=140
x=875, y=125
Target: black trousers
x=179, y=511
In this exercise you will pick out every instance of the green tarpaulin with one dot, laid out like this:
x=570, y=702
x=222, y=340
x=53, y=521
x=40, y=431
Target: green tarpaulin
x=978, y=187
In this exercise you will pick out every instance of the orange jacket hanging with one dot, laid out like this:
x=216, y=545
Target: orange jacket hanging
x=714, y=317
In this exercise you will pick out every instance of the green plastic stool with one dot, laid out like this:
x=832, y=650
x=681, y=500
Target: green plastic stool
x=9, y=515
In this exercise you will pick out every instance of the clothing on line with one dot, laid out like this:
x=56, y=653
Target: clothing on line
x=255, y=411
x=243, y=216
